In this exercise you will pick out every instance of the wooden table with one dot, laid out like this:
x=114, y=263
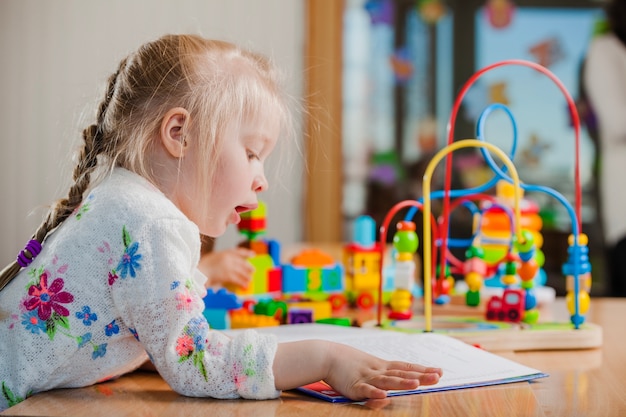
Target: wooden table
x=581, y=383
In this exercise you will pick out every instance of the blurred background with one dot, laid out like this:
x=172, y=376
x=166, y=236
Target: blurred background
x=377, y=80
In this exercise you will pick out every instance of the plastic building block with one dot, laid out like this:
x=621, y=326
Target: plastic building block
x=242, y=319
x=221, y=299
x=338, y=321
x=300, y=315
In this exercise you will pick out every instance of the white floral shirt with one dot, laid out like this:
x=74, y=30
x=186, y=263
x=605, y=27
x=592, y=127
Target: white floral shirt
x=117, y=284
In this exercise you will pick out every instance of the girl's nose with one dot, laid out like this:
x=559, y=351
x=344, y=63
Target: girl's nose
x=260, y=184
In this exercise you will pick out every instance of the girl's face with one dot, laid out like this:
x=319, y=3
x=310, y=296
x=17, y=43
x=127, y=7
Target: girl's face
x=239, y=175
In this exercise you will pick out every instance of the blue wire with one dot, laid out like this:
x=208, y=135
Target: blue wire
x=492, y=182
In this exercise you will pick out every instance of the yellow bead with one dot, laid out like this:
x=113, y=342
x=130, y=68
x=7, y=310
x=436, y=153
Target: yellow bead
x=583, y=302
x=404, y=256
x=400, y=300
x=509, y=279
x=583, y=240
x=474, y=281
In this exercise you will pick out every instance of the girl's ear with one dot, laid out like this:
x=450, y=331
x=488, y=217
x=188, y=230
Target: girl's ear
x=172, y=133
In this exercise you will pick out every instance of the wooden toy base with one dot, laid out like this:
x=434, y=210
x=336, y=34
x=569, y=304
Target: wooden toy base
x=499, y=336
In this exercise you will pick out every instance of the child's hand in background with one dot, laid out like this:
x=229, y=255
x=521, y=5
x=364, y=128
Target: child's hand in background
x=228, y=267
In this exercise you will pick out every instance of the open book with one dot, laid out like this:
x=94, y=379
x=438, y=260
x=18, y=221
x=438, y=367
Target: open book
x=463, y=365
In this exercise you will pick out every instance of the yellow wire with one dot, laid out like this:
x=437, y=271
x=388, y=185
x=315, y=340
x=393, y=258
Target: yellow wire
x=466, y=143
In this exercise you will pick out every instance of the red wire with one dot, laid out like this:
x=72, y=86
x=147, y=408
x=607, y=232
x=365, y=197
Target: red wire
x=450, y=131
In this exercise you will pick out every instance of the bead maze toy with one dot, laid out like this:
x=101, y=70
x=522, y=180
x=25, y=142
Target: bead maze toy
x=511, y=320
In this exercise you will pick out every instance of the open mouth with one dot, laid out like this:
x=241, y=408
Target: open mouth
x=243, y=209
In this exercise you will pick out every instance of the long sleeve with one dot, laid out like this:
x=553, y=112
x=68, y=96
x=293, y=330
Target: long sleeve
x=163, y=305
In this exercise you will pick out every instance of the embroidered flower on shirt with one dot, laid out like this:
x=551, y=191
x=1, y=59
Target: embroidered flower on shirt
x=112, y=277
x=83, y=208
x=245, y=369
x=10, y=397
x=99, y=351
x=185, y=299
x=249, y=360
x=239, y=376
x=14, y=319
x=198, y=328
x=46, y=298
x=130, y=259
x=86, y=316
x=83, y=340
x=106, y=249
x=33, y=323
x=43, y=312
x=111, y=329
x=45, y=302
x=134, y=333
x=190, y=344
x=184, y=345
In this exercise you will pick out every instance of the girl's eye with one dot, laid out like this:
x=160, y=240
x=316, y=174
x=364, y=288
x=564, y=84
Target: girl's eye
x=252, y=155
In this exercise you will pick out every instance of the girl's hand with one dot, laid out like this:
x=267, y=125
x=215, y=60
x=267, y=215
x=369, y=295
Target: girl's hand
x=359, y=375
x=354, y=373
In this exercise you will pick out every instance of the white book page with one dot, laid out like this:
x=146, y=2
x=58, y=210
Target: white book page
x=462, y=364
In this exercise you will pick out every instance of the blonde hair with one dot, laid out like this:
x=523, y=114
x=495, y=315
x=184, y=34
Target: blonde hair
x=217, y=82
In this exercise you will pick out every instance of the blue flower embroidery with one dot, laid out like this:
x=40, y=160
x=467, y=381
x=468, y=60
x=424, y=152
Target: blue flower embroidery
x=198, y=324
x=199, y=340
x=130, y=261
x=134, y=333
x=99, y=351
x=33, y=323
x=83, y=340
x=86, y=316
x=111, y=329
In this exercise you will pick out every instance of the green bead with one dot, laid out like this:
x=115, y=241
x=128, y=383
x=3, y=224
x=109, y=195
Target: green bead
x=406, y=241
x=540, y=257
x=472, y=298
x=510, y=268
x=475, y=252
x=527, y=245
x=531, y=316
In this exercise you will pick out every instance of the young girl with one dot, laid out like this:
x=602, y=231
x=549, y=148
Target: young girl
x=109, y=279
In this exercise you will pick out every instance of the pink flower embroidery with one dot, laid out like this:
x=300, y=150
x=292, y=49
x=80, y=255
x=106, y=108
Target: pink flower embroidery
x=239, y=376
x=46, y=299
x=184, y=345
x=185, y=301
x=112, y=277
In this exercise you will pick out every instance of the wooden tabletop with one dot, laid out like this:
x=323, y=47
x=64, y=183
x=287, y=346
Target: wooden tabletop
x=590, y=382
